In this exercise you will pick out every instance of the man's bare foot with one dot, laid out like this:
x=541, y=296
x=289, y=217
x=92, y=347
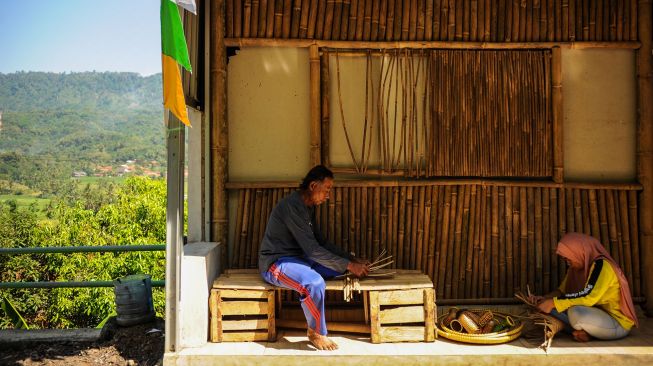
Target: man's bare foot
x=321, y=342
x=581, y=336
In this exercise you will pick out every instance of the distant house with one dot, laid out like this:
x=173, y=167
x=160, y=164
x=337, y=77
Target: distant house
x=78, y=174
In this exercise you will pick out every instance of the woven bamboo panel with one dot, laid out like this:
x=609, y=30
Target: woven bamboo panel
x=472, y=240
x=463, y=113
x=434, y=20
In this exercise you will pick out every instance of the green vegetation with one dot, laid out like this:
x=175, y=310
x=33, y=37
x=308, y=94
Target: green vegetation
x=81, y=120
x=134, y=213
x=94, y=126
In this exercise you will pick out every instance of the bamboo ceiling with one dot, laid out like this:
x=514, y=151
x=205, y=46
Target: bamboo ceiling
x=434, y=20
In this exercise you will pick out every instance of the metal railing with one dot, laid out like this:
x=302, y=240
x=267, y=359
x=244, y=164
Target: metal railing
x=77, y=249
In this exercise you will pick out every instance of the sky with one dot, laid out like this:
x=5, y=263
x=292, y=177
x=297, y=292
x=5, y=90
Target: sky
x=80, y=35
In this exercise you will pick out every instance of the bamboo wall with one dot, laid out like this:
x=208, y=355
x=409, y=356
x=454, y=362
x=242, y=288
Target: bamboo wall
x=434, y=20
x=456, y=113
x=475, y=239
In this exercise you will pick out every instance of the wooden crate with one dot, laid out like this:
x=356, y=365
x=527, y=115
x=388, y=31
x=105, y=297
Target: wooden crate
x=402, y=315
x=242, y=315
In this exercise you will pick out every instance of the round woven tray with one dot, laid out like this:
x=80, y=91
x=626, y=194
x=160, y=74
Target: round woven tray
x=504, y=336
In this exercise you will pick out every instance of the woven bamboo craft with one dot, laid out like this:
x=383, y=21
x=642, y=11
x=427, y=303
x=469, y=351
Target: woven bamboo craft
x=455, y=330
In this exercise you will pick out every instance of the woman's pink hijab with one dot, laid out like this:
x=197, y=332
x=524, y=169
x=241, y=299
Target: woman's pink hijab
x=586, y=249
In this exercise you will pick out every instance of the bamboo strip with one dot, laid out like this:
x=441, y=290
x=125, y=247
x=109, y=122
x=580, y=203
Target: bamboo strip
x=324, y=110
x=632, y=217
x=494, y=277
x=429, y=19
x=351, y=23
x=239, y=222
x=337, y=20
x=572, y=20
x=367, y=20
x=390, y=21
x=328, y=20
x=625, y=232
x=254, y=22
x=238, y=18
x=421, y=212
x=456, y=244
x=229, y=18
x=360, y=20
x=278, y=18
x=344, y=20
x=304, y=19
x=444, y=241
x=374, y=29
x=364, y=45
x=502, y=259
x=247, y=16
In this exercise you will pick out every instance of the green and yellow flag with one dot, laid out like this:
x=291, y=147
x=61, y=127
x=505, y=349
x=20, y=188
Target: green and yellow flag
x=174, y=53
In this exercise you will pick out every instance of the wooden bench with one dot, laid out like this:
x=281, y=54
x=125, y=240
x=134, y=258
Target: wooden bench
x=397, y=309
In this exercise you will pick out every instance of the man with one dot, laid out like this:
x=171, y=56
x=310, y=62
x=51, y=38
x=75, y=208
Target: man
x=295, y=255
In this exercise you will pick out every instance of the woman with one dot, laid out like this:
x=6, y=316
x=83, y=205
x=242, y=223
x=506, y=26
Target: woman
x=295, y=255
x=594, y=297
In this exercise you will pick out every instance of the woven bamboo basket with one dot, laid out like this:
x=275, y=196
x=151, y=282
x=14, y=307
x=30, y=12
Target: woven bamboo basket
x=504, y=336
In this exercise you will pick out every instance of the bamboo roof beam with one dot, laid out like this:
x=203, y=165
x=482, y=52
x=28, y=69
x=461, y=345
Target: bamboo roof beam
x=304, y=43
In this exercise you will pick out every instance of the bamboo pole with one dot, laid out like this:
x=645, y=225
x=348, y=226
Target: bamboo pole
x=390, y=21
x=572, y=20
x=254, y=23
x=247, y=16
x=229, y=15
x=328, y=21
x=632, y=217
x=428, y=20
x=556, y=83
x=367, y=20
x=625, y=230
x=344, y=20
x=553, y=238
x=219, y=133
x=238, y=18
x=278, y=18
x=374, y=30
x=360, y=20
x=444, y=241
x=324, y=111
x=456, y=243
x=502, y=259
x=399, y=208
x=562, y=226
x=436, y=212
x=645, y=143
x=421, y=212
x=304, y=19
x=337, y=19
x=316, y=117
x=465, y=242
x=444, y=182
x=364, y=45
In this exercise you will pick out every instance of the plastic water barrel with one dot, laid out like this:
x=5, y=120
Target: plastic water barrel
x=133, y=299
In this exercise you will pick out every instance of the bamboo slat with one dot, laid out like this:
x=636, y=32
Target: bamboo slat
x=474, y=241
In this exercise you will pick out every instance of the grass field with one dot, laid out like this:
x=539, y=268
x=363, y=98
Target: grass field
x=24, y=201
x=97, y=180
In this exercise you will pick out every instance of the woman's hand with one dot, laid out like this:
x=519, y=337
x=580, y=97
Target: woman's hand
x=546, y=305
x=535, y=299
x=359, y=270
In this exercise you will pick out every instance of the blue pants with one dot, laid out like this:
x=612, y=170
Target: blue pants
x=307, y=278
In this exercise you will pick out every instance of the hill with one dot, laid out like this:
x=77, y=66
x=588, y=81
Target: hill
x=86, y=119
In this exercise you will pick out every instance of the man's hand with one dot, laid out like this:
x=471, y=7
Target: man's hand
x=359, y=270
x=361, y=261
x=546, y=305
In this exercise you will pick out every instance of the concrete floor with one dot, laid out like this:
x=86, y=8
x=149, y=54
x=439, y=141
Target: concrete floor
x=292, y=348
